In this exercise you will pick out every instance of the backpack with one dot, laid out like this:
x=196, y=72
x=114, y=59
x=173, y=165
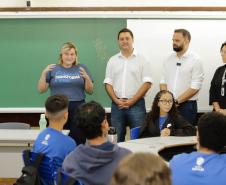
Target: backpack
x=30, y=174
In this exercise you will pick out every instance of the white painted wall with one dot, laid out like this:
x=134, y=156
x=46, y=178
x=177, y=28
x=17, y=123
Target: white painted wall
x=153, y=38
x=109, y=3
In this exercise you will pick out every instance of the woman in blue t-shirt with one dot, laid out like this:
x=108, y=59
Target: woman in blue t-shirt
x=164, y=120
x=71, y=79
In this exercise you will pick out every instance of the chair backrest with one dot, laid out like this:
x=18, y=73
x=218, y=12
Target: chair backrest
x=134, y=133
x=47, y=169
x=14, y=125
x=63, y=178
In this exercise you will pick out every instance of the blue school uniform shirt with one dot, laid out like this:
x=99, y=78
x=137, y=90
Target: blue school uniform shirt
x=54, y=143
x=162, y=121
x=68, y=81
x=198, y=169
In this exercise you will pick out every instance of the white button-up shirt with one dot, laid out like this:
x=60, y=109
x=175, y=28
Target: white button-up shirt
x=182, y=73
x=127, y=75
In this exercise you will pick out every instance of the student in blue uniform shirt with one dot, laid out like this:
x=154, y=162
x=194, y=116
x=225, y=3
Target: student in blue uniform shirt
x=71, y=79
x=206, y=166
x=51, y=141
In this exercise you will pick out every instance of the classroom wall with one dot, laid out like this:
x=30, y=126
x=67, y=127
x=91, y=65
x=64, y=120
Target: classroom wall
x=28, y=39
x=126, y=13
x=113, y=3
x=207, y=35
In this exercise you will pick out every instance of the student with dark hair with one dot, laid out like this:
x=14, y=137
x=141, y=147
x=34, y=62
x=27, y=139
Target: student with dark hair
x=207, y=165
x=218, y=85
x=51, y=141
x=164, y=120
x=127, y=80
x=183, y=75
x=93, y=163
x=141, y=169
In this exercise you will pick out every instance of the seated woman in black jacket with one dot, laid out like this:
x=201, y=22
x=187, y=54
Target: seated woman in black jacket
x=164, y=120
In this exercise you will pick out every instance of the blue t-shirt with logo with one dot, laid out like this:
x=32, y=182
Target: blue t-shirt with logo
x=198, y=169
x=68, y=81
x=54, y=143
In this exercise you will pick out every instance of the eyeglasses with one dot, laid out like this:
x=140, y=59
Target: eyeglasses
x=164, y=102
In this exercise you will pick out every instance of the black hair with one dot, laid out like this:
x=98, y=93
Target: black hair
x=222, y=45
x=212, y=131
x=56, y=103
x=88, y=118
x=125, y=30
x=155, y=110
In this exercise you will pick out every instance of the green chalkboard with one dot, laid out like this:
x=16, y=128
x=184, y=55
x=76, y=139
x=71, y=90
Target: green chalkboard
x=28, y=45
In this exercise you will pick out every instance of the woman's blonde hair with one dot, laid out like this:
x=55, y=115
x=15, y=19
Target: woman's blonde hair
x=66, y=47
x=142, y=169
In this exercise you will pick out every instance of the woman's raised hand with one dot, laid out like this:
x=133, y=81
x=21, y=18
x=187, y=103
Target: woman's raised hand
x=48, y=68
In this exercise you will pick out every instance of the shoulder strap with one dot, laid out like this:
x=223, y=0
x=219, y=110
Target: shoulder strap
x=38, y=160
x=26, y=157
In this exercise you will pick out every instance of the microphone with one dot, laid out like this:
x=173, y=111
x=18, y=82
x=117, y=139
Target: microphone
x=178, y=64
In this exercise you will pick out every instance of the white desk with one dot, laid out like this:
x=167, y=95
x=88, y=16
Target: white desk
x=156, y=144
x=12, y=143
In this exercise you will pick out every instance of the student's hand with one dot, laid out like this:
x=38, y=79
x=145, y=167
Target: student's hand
x=48, y=68
x=83, y=73
x=219, y=110
x=222, y=111
x=165, y=132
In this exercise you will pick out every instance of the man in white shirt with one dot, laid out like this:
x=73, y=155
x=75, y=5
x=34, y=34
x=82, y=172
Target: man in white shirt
x=127, y=80
x=183, y=75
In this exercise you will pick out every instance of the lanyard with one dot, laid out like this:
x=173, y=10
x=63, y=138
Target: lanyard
x=222, y=83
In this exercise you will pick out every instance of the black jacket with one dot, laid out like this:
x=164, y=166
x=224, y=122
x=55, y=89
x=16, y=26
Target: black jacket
x=179, y=127
x=215, y=88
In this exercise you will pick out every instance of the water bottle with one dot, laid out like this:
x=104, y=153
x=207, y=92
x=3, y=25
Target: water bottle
x=42, y=122
x=112, y=135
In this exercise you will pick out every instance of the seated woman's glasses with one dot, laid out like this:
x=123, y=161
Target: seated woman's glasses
x=164, y=102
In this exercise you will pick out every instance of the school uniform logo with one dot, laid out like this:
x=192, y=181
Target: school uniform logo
x=199, y=162
x=45, y=141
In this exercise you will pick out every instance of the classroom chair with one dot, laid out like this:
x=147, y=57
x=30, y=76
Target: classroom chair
x=134, y=133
